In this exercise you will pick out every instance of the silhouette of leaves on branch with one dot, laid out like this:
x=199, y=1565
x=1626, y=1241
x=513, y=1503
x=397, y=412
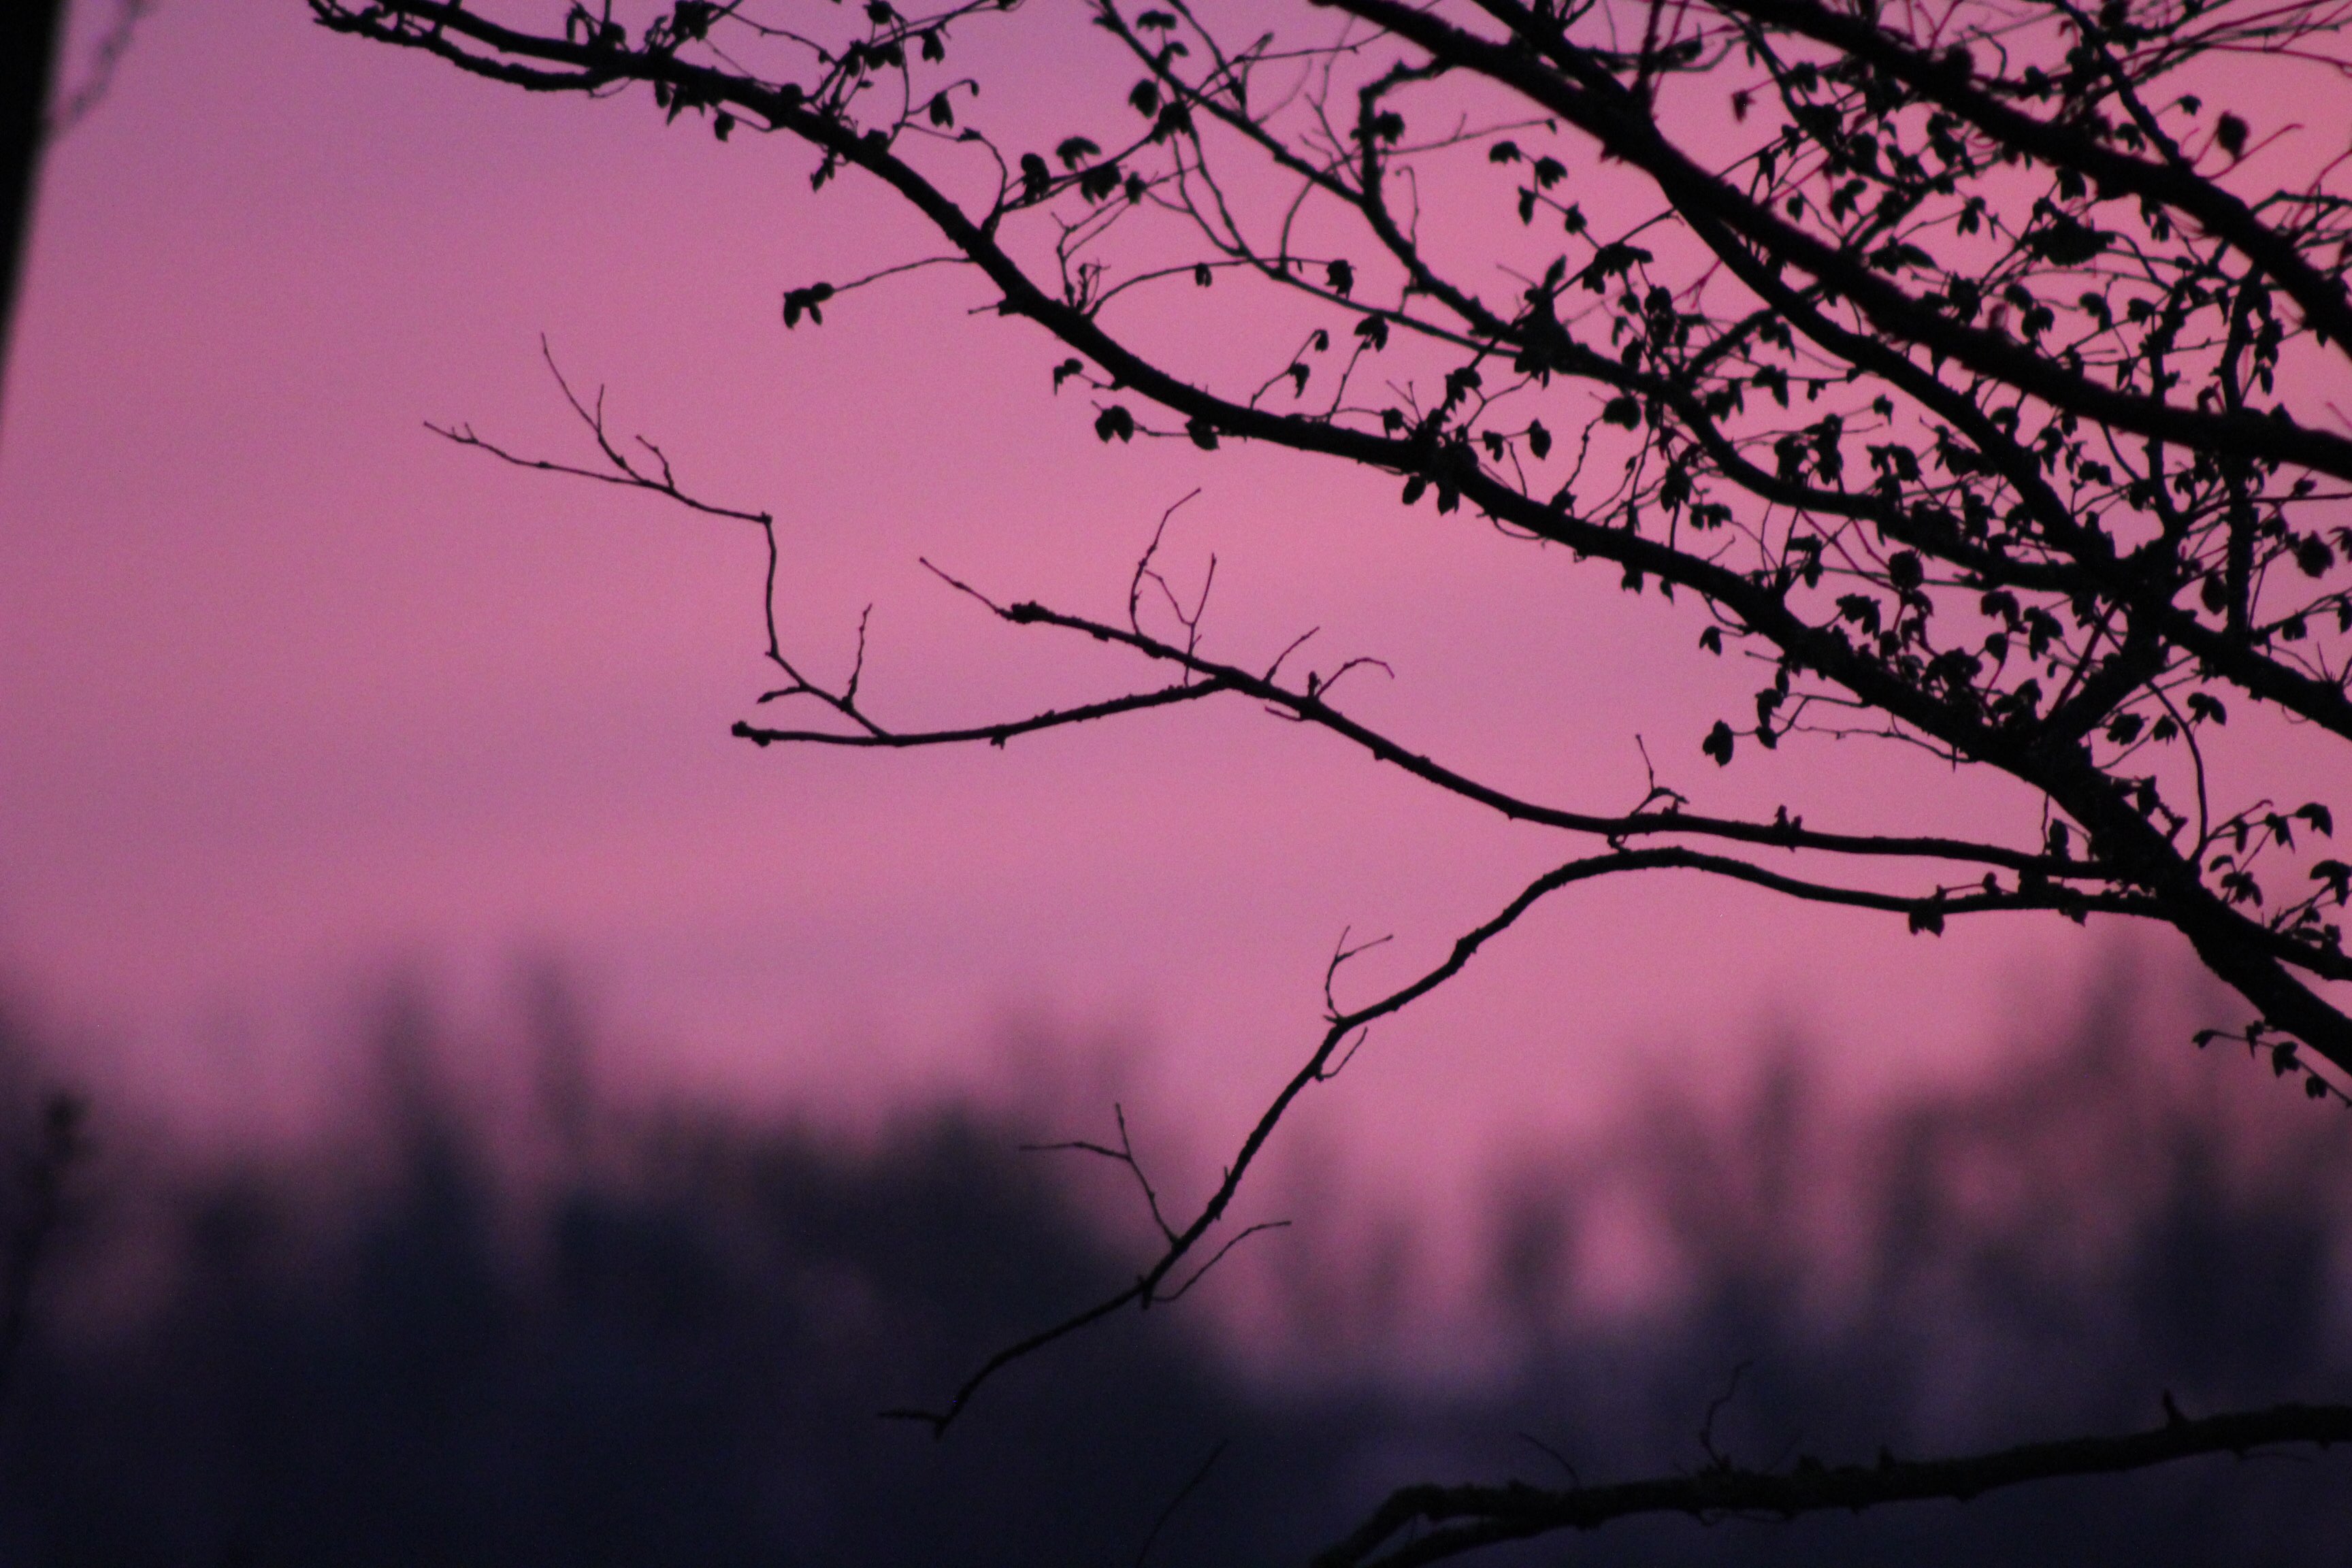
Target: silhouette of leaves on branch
x=2043, y=507
x=1970, y=371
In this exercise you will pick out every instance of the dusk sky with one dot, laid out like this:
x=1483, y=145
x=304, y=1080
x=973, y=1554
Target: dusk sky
x=298, y=695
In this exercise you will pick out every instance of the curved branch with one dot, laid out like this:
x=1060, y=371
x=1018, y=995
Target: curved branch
x=1330, y=1053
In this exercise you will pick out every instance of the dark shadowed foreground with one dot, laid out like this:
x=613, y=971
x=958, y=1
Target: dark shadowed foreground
x=662, y=1339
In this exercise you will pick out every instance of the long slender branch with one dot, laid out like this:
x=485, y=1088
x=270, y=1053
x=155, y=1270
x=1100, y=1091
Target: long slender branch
x=1311, y=706
x=1318, y=1066
x=2036, y=872
x=1469, y=1517
x=994, y=734
x=1343, y=1027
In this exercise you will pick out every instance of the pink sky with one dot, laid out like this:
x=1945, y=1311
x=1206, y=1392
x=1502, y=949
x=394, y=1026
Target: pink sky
x=294, y=691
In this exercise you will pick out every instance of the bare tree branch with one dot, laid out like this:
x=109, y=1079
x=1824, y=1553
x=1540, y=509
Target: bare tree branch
x=1465, y=1519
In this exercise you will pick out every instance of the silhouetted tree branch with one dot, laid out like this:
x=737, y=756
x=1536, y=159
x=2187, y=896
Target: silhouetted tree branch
x=1971, y=371
x=1463, y=1519
x=28, y=48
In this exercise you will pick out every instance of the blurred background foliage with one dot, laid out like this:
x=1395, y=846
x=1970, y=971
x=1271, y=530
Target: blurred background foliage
x=580, y=1332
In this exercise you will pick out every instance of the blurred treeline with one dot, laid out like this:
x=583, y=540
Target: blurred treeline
x=652, y=1337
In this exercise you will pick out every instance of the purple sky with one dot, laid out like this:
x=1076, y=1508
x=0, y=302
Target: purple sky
x=295, y=691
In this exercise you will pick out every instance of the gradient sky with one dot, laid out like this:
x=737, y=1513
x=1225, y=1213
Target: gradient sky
x=295, y=693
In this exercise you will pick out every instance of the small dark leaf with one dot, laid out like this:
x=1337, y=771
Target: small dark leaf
x=1203, y=434
x=2067, y=243
x=1144, y=99
x=1201, y=275
x=2232, y=134
x=1625, y=411
x=1503, y=152
x=798, y=301
x=1718, y=743
x=1114, y=421
x=1341, y=277
x=1538, y=439
x=1074, y=150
